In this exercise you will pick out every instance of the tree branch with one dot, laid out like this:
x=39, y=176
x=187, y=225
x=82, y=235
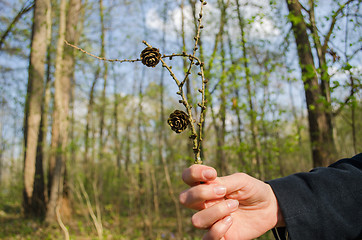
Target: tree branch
x=347, y=99
x=23, y=10
x=333, y=23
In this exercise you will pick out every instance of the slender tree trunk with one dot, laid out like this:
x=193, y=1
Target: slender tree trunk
x=162, y=136
x=2, y=148
x=77, y=12
x=105, y=76
x=89, y=121
x=47, y=97
x=220, y=130
x=33, y=104
x=221, y=158
x=294, y=112
x=117, y=147
x=155, y=194
x=320, y=126
x=235, y=103
x=64, y=70
x=72, y=34
x=256, y=158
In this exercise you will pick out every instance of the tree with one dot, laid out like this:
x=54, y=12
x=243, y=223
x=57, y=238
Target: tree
x=64, y=72
x=32, y=113
x=315, y=78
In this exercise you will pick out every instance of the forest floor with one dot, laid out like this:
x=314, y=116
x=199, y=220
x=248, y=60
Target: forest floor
x=14, y=226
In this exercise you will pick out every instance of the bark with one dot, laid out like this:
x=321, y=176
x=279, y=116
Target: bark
x=34, y=102
x=320, y=126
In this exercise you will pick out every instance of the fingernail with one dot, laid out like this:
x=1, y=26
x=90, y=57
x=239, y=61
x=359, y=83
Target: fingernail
x=227, y=220
x=220, y=190
x=209, y=174
x=232, y=203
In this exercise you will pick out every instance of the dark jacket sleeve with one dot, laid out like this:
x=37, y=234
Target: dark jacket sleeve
x=323, y=204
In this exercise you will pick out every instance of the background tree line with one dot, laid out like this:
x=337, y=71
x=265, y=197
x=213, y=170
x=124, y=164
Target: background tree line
x=84, y=143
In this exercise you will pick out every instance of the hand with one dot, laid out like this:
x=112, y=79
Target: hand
x=233, y=207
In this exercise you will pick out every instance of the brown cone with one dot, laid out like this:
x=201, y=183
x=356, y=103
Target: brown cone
x=150, y=56
x=178, y=121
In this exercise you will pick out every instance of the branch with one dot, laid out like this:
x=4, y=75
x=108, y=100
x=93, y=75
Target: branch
x=23, y=10
x=101, y=58
x=197, y=39
x=354, y=53
x=348, y=98
x=334, y=20
x=131, y=60
x=183, y=101
x=302, y=7
x=196, y=138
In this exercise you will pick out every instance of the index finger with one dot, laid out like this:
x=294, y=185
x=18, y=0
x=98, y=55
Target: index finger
x=198, y=173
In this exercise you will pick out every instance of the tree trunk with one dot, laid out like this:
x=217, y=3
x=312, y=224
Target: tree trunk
x=33, y=104
x=89, y=121
x=221, y=158
x=105, y=72
x=64, y=72
x=117, y=148
x=320, y=126
x=256, y=158
x=2, y=144
x=235, y=103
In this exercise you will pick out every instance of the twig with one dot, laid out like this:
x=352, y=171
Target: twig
x=131, y=60
x=101, y=58
x=197, y=39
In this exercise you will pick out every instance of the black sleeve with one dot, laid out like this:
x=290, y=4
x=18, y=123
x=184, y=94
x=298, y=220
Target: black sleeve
x=323, y=204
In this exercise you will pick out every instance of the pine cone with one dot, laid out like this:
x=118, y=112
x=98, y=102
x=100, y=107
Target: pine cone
x=150, y=56
x=178, y=121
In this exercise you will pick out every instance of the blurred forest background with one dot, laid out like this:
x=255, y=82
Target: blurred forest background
x=85, y=149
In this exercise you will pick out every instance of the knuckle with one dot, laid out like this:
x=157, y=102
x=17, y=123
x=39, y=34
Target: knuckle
x=194, y=171
x=240, y=175
x=202, y=191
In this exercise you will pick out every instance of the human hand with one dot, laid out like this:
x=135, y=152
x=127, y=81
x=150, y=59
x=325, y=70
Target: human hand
x=255, y=212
